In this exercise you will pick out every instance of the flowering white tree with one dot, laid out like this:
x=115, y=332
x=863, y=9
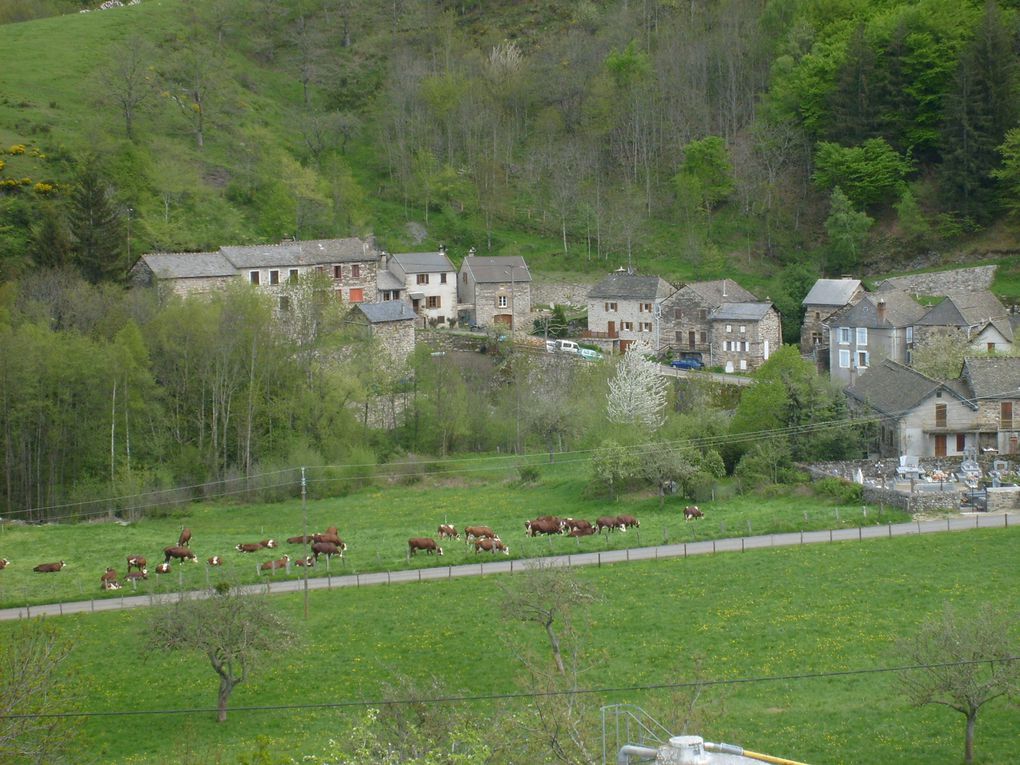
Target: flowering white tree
x=638, y=392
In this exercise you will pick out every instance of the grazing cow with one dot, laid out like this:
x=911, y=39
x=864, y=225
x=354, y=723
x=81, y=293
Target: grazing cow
x=248, y=547
x=108, y=580
x=326, y=548
x=163, y=568
x=272, y=565
x=301, y=540
x=215, y=560
x=446, y=531
x=49, y=568
x=426, y=544
x=134, y=576
x=575, y=524
x=544, y=526
x=181, y=553
x=331, y=530
x=267, y=543
x=692, y=512
x=184, y=540
x=491, y=546
x=609, y=522
x=136, y=561
x=626, y=521
x=327, y=537
x=582, y=531
x=472, y=533
x=309, y=561
x=4, y=563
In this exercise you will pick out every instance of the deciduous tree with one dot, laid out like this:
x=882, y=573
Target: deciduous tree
x=637, y=395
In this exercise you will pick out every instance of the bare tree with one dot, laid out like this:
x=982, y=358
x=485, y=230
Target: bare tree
x=232, y=628
x=128, y=79
x=966, y=663
x=33, y=680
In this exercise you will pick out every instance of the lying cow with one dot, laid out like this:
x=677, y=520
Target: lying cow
x=692, y=512
x=248, y=547
x=4, y=563
x=582, y=531
x=446, y=531
x=163, y=568
x=215, y=560
x=269, y=544
x=49, y=568
x=472, y=533
x=273, y=565
x=309, y=561
x=576, y=523
x=301, y=539
x=184, y=540
x=134, y=576
x=491, y=546
x=180, y=553
x=425, y=544
x=136, y=561
x=326, y=548
x=609, y=522
x=108, y=580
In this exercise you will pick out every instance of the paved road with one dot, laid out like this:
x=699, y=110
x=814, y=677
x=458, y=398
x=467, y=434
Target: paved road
x=734, y=379
x=683, y=550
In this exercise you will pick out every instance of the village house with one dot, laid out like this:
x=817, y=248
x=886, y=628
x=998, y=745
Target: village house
x=687, y=324
x=977, y=318
x=392, y=324
x=879, y=326
x=743, y=335
x=825, y=297
x=185, y=273
x=995, y=387
x=494, y=291
x=625, y=307
x=428, y=280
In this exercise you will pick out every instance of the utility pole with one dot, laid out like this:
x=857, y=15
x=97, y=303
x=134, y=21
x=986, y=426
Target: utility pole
x=304, y=511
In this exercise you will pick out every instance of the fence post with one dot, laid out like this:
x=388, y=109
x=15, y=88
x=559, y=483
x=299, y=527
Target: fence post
x=890, y=531
x=685, y=549
x=742, y=542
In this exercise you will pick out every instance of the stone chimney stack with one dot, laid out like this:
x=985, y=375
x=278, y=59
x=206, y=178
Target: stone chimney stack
x=880, y=307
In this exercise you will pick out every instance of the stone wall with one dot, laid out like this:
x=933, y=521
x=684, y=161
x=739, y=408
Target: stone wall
x=941, y=282
x=1004, y=499
x=916, y=502
x=560, y=293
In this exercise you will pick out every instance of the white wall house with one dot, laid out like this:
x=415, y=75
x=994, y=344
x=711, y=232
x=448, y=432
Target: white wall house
x=429, y=282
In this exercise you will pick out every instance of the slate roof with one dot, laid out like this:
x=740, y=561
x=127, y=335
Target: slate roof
x=901, y=310
x=621, y=285
x=965, y=309
x=314, y=252
x=832, y=292
x=993, y=377
x=387, y=280
x=423, y=262
x=184, y=265
x=722, y=291
x=741, y=311
x=894, y=389
x=492, y=269
x=389, y=310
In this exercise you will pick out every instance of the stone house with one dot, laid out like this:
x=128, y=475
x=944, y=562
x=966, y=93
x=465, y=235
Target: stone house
x=879, y=326
x=184, y=273
x=917, y=415
x=686, y=326
x=995, y=387
x=976, y=317
x=625, y=307
x=495, y=291
x=743, y=335
x=392, y=324
x=429, y=281
x=824, y=298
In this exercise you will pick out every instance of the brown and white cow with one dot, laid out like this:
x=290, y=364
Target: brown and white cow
x=184, y=540
x=582, y=531
x=49, y=568
x=610, y=522
x=491, y=546
x=181, y=553
x=691, y=512
x=309, y=561
x=331, y=530
x=108, y=580
x=269, y=544
x=425, y=544
x=446, y=531
x=136, y=561
x=472, y=533
x=215, y=560
x=626, y=521
x=545, y=525
x=325, y=548
x=4, y=563
x=273, y=565
x=576, y=523
x=301, y=539
x=134, y=576
x=163, y=568
x=328, y=537
x=248, y=547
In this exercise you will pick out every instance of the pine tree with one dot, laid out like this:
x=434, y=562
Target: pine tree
x=50, y=245
x=853, y=106
x=95, y=226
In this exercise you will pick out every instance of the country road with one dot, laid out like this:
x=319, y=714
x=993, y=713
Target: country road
x=729, y=545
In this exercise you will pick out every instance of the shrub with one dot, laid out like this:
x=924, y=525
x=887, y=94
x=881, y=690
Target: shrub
x=16, y=149
x=527, y=474
x=844, y=492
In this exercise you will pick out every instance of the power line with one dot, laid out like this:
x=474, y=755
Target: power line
x=474, y=698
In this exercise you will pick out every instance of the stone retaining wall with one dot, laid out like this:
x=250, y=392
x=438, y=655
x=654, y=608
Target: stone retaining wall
x=941, y=282
x=916, y=502
x=560, y=293
x=1004, y=499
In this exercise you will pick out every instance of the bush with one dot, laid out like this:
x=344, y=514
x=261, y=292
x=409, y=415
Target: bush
x=844, y=492
x=527, y=474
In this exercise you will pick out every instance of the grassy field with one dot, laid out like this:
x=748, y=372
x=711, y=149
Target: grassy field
x=376, y=523
x=817, y=609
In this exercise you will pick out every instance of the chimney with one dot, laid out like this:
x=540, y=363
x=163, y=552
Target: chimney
x=442, y=249
x=724, y=288
x=880, y=307
x=471, y=252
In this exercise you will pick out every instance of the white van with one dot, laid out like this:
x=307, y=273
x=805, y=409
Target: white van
x=568, y=346
x=550, y=346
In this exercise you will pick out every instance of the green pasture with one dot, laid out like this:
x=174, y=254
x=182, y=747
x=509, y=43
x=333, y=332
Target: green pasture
x=812, y=609
x=376, y=523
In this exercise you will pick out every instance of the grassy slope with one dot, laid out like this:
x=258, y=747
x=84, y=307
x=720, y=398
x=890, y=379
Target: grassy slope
x=811, y=609
x=376, y=523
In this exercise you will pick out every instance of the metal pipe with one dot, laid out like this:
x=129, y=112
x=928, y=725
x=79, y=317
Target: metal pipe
x=741, y=752
x=623, y=756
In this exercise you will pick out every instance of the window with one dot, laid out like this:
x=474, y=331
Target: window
x=743, y=329
x=743, y=346
x=961, y=442
x=423, y=279
x=610, y=307
x=464, y=277
x=844, y=359
x=254, y=277
x=357, y=296
x=940, y=415
x=284, y=303
x=645, y=308
x=862, y=335
x=817, y=315
x=844, y=335
x=627, y=326
x=646, y=326
x=743, y=365
x=1006, y=415
x=274, y=277
x=442, y=278
x=727, y=345
x=729, y=327
x=816, y=338
x=433, y=301
x=293, y=276
x=704, y=337
x=338, y=272
x=910, y=335
x=355, y=271
x=702, y=313
x=862, y=359
x=990, y=347
x=502, y=301
x=678, y=314
x=320, y=269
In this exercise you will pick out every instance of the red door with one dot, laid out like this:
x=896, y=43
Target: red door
x=940, y=445
x=611, y=327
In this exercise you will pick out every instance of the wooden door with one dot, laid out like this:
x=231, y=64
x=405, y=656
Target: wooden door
x=690, y=340
x=611, y=326
x=940, y=445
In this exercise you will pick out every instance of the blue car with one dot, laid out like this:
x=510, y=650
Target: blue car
x=689, y=363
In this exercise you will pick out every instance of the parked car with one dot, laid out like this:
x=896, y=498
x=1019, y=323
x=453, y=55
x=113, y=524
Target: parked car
x=568, y=346
x=590, y=354
x=687, y=363
x=550, y=346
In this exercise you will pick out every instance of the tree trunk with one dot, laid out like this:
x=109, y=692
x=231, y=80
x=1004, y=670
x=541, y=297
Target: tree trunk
x=968, y=746
x=226, y=687
x=554, y=643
